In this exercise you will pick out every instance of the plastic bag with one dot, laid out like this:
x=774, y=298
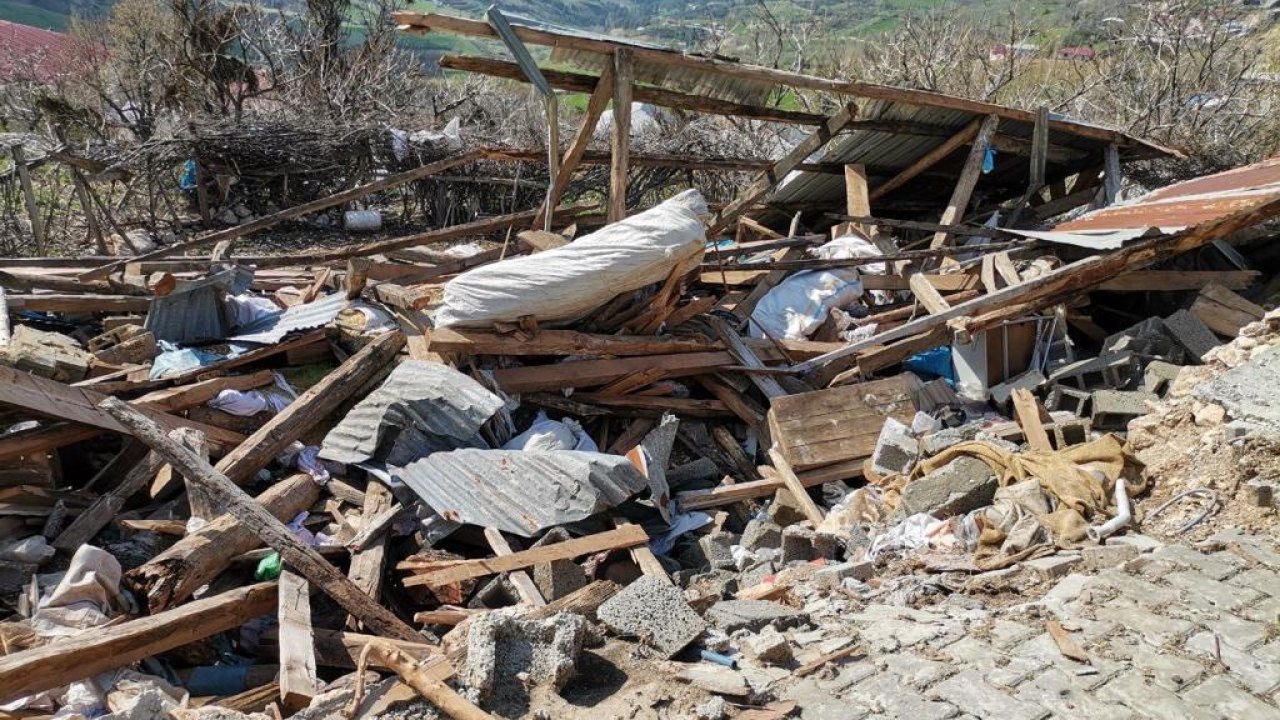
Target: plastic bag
x=547, y=435
x=797, y=306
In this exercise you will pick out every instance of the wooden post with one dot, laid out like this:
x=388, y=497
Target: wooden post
x=296, y=554
x=968, y=180
x=29, y=196
x=1112, y=174
x=86, y=206
x=623, y=74
x=776, y=172
x=298, y=680
x=578, y=146
x=857, y=201
x=553, y=152
x=1039, y=149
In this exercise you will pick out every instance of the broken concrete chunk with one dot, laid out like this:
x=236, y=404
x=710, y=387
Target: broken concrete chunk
x=961, y=485
x=797, y=544
x=934, y=443
x=1191, y=333
x=761, y=534
x=896, y=450
x=1113, y=409
x=769, y=648
x=46, y=354
x=654, y=611
x=1248, y=392
x=503, y=648
x=1158, y=376
x=1029, y=380
x=729, y=616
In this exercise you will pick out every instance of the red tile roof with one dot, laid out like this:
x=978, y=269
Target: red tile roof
x=32, y=53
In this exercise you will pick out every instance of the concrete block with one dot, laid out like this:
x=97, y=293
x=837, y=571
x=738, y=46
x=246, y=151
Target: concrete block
x=761, y=534
x=797, y=544
x=1029, y=380
x=1113, y=409
x=1143, y=543
x=1148, y=339
x=501, y=647
x=831, y=576
x=654, y=611
x=934, y=443
x=961, y=485
x=784, y=510
x=1065, y=397
x=1158, y=376
x=1054, y=566
x=755, y=574
x=769, y=648
x=557, y=579
x=1113, y=371
x=729, y=616
x=1259, y=492
x=827, y=546
x=1191, y=333
x=896, y=450
x=1102, y=557
x=716, y=548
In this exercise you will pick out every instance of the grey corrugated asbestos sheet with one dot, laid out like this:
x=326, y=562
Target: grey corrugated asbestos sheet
x=421, y=408
x=307, y=316
x=521, y=492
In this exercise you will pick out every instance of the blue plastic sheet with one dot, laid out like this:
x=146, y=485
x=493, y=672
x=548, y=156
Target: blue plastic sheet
x=934, y=363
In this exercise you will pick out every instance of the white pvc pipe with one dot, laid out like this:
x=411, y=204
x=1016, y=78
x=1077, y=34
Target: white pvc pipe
x=1124, y=516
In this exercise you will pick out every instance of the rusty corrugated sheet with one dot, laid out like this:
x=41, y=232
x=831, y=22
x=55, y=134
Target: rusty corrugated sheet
x=422, y=407
x=517, y=491
x=1186, y=204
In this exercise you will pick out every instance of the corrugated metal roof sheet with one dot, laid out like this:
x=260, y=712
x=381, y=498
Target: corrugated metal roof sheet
x=196, y=311
x=1186, y=204
x=307, y=316
x=520, y=492
x=421, y=408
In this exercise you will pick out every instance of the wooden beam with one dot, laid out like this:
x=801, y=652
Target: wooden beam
x=423, y=22
x=1175, y=280
x=927, y=295
x=562, y=342
x=584, y=83
x=774, y=175
x=298, y=680
x=295, y=553
x=578, y=146
x=447, y=572
x=519, y=578
x=739, y=350
x=620, y=143
x=643, y=557
x=928, y=160
x=98, y=650
x=311, y=408
x=797, y=489
x=1112, y=175
x=175, y=574
x=969, y=175
x=432, y=690
x=267, y=221
x=368, y=563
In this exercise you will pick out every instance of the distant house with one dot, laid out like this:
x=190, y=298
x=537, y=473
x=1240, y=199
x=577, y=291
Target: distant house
x=31, y=53
x=1004, y=52
x=1077, y=52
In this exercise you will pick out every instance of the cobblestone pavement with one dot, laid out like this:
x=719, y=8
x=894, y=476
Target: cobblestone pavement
x=1171, y=632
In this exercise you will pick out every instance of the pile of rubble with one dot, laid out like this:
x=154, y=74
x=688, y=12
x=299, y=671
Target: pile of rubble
x=686, y=465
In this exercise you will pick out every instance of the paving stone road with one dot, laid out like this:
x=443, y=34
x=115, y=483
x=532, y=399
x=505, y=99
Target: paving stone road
x=1171, y=631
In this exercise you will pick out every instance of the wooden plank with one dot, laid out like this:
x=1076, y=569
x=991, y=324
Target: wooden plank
x=1039, y=149
x=562, y=342
x=838, y=424
x=457, y=571
x=519, y=578
x=86, y=654
x=620, y=140
x=80, y=405
x=298, y=680
x=1175, y=280
x=434, y=691
x=792, y=483
x=927, y=295
x=1031, y=415
x=969, y=175
x=744, y=354
x=643, y=557
x=64, y=303
x=1112, y=175
x=295, y=553
x=1224, y=311
x=311, y=408
x=928, y=160
x=774, y=175
x=188, y=396
x=266, y=221
x=368, y=563
x=578, y=146
x=585, y=373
